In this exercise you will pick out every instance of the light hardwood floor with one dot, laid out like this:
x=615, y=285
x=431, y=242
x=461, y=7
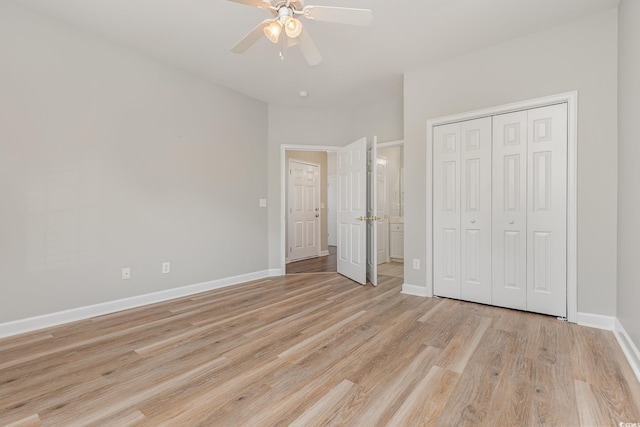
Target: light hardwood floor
x=323, y=264
x=310, y=350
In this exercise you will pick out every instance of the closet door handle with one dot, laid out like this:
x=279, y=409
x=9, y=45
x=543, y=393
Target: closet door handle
x=512, y=222
x=473, y=221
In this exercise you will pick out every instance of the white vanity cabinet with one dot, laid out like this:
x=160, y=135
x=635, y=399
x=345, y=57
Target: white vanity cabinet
x=396, y=239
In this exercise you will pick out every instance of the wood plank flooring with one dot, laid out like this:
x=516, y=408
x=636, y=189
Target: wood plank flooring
x=309, y=350
x=323, y=264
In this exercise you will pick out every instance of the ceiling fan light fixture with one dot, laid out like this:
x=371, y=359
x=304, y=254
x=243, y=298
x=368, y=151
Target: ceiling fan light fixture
x=273, y=30
x=293, y=27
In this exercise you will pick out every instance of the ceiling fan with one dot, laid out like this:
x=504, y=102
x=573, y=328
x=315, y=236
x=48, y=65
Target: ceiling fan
x=285, y=20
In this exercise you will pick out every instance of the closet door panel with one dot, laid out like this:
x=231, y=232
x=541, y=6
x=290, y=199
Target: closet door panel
x=446, y=210
x=547, y=210
x=475, y=214
x=509, y=213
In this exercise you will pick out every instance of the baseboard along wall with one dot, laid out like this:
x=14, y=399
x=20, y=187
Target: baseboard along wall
x=628, y=347
x=54, y=319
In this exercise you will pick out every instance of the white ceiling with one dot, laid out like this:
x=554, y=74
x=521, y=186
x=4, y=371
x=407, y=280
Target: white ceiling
x=361, y=65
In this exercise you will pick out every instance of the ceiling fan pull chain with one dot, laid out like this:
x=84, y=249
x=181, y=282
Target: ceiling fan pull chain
x=284, y=37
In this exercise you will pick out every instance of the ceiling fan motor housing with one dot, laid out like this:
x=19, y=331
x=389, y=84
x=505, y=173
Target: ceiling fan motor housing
x=294, y=5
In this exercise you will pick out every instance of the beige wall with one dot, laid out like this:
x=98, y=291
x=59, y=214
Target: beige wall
x=109, y=160
x=629, y=172
x=320, y=158
x=577, y=56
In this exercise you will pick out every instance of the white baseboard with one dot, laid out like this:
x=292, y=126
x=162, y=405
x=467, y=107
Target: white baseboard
x=419, y=291
x=597, y=321
x=628, y=347
x=324, y=253
x=275, y=272
x=53, y=319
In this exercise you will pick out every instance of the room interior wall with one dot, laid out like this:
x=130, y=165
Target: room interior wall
x=581, y=56
x=382, y=119
x=109, y=159
x=628, y=302
x=320, y=158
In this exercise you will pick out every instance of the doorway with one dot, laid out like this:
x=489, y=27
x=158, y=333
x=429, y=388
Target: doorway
x=390, y=179
x=303, y=212
x=390, y=176
x=305, y=197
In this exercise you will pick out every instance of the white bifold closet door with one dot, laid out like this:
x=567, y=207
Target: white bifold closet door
x=500, y=210
x=530, y=210
x=462, y=215
x=547, y=210
x=509, y=214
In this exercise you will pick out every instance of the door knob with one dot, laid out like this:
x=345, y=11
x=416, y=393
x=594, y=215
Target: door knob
x=511, y=222
x=317, y=215
x=473, y=221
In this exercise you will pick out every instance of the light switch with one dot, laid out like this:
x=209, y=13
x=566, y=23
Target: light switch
x=263, y=203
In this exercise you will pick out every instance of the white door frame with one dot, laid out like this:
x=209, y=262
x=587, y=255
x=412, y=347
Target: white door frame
x=571, y=98
x=372, y=210
x=317, y=198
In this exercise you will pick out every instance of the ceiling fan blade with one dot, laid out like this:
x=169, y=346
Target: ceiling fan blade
x=263, y=4
x=251, y=38
x=309, y=49
x=340, y=15
x=292, y=41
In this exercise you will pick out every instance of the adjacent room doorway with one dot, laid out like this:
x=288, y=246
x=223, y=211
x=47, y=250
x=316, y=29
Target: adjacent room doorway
x=378, y=181
x=303, y=234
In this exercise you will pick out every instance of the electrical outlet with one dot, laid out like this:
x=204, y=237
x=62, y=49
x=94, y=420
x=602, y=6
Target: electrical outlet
x=126, y=273
x=416, y=264
x=263, y=203
x=166, y=267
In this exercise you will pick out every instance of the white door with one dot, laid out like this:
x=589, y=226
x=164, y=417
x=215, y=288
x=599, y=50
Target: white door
x=304, y=210
x=332, y=217
x=352, y=211
x=462, y=214
x=547, y=210
x=530, y=210
x=509, y=221
x=372, y=211
x=475, y=210
x=446, y=210
x=383, y=213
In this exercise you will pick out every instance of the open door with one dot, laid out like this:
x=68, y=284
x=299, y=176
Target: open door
x=352, y=211
x=372, y=211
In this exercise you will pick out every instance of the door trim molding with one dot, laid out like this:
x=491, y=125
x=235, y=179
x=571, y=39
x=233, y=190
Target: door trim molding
x=571, y=99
